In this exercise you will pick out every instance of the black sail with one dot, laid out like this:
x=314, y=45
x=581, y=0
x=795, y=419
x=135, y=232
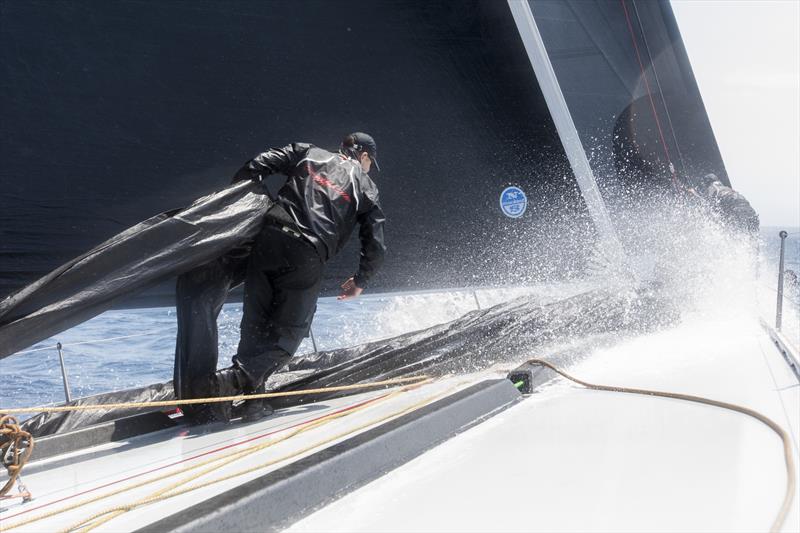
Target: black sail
x=162, y=246
x=626, y=77
x=113, y=112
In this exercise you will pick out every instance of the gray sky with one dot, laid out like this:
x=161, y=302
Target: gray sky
x=746, y=57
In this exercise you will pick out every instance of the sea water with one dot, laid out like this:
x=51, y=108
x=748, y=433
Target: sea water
x=124, y=349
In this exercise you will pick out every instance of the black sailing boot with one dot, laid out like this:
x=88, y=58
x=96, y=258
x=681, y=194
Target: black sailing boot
x=253, y=410
x=229, y=381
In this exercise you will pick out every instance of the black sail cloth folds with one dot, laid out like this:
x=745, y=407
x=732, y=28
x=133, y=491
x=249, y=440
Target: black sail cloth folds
x=501, y=336
x=153, y=250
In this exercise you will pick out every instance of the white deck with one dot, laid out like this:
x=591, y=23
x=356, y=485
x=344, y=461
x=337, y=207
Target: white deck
x=571, y=459
x=100, y=470
x=564, y=459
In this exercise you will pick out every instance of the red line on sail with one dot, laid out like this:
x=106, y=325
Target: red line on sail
x=649, y=93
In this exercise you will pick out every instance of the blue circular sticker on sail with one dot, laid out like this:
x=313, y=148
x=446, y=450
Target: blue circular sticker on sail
x=513, y=202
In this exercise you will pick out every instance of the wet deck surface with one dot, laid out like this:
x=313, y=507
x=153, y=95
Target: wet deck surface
x=571, y=459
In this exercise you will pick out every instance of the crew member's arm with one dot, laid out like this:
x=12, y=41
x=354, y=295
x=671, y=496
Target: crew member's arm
x=370, y=232
x=273, y=161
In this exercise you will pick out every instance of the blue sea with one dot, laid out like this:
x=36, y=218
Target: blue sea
x=130, y=348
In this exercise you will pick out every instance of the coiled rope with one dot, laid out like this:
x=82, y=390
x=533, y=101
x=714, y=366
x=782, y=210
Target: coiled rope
x=787, y=444
x=16, y=446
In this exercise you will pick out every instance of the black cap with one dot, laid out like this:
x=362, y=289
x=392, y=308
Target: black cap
x=362, y=142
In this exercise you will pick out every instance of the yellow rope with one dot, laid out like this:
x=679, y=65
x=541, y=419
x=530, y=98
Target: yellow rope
x=787, y=443
x=237, y=455
x=86, y=525
x=193, y=401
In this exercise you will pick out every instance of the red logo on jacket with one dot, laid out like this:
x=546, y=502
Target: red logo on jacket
x=325, y=182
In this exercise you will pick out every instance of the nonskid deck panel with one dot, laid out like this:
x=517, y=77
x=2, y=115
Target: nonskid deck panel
x=88, y=475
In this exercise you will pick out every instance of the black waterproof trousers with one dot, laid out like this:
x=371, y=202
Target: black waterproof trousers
x=282, y=275
x=200, y=295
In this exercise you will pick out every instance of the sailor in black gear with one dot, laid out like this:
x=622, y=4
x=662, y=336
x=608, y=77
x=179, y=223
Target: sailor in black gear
x=730, y=207
x=325, y=195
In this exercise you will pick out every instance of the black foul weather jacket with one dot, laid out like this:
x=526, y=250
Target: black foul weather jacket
x=326, y=194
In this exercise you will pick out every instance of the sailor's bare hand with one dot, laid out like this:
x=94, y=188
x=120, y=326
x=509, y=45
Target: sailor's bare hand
x=349, y=290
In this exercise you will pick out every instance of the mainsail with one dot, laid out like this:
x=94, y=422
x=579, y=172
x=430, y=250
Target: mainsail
x=101, y=131
x=629, y=86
